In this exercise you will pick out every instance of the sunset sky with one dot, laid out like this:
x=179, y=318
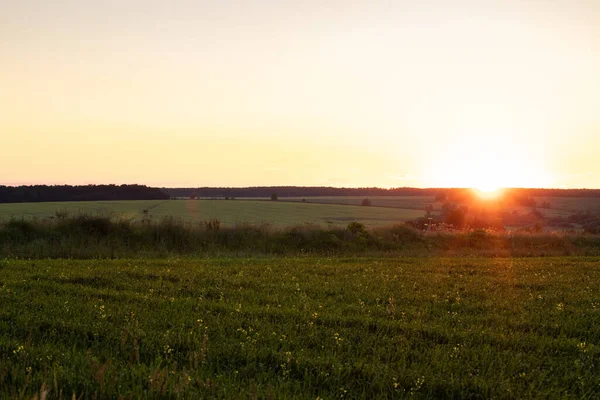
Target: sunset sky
x=315, y=92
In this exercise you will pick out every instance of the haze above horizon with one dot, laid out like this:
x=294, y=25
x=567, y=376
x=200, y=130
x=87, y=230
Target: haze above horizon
x=482, y=94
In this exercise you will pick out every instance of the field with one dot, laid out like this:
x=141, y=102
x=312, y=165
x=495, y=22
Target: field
x=315, y=308
x=403, y=202
x=231, y=213
x=558, y=206
x=301, y=328
x=322, y=211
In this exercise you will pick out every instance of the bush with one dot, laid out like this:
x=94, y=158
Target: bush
x=356, y=228
x=456, y=218
x=274, y=197
x=365, y=202
x=87, y=225
x=403, y=233
x=19, y=230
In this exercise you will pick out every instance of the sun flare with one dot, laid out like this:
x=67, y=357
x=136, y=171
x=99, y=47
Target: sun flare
x=487, y=188
x=488, y=192
x=487, y=164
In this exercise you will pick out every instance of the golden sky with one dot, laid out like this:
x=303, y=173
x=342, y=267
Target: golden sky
x=343, y=93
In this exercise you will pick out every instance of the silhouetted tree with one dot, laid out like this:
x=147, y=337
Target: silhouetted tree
x=428, y=210
x=456, y=218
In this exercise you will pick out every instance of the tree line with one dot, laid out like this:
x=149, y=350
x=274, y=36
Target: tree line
x=44, y=193
x=310, y=191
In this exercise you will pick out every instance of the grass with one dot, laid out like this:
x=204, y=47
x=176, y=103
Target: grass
x=302, y=327
x=84, y=237
x=231, y=213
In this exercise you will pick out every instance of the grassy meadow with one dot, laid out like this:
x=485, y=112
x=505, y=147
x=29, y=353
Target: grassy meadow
x=230, y=213
x=301, y=328
x=268, y=299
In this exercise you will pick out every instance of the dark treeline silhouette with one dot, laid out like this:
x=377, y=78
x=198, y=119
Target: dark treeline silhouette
x=42, y=193
x=308, y=191
x=559, y=192
x=295, y=191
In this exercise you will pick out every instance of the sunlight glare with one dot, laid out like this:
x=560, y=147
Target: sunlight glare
x=488, y=192
x=488, y=163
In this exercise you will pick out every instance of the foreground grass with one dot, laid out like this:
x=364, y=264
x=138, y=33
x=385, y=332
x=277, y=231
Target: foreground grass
x=96, y=237
x=301, y=327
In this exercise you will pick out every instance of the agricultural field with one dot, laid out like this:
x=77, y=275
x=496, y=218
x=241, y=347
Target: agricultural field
x=403, y=202
x=301, y=328
x=231, y=213
x=558, y=206
x=565, y=206
x=331, y=211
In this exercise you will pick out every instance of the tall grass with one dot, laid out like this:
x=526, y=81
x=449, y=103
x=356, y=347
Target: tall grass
x=101, y=236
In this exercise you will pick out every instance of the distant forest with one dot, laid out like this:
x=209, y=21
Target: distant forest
x=42, y=193
x=294, y=191
x=307, y=191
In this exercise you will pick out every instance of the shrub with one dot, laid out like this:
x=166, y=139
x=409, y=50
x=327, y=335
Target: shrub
x=87, y=225
x=403, y=233
x=274, y=197
x=456, y=218
x=20, y=230
x=356, y=227
x=365, y=202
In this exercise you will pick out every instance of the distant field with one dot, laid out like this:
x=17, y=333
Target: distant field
x=230, y=212
x=559, y=206
x=301, y=328
x=404, y=202
x=565, y=206
x=330, y=210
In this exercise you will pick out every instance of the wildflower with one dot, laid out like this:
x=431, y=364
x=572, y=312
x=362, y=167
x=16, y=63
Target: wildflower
x=338, y=338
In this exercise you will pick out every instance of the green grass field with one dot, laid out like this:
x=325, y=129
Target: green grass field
x=301, y=328
x=231, y=213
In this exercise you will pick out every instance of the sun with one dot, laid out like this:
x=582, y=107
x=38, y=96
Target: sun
x=488, y=192
x=486, y=164
x=487, y=188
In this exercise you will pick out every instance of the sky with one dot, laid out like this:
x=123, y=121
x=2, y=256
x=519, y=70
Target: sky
x=337, y=93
